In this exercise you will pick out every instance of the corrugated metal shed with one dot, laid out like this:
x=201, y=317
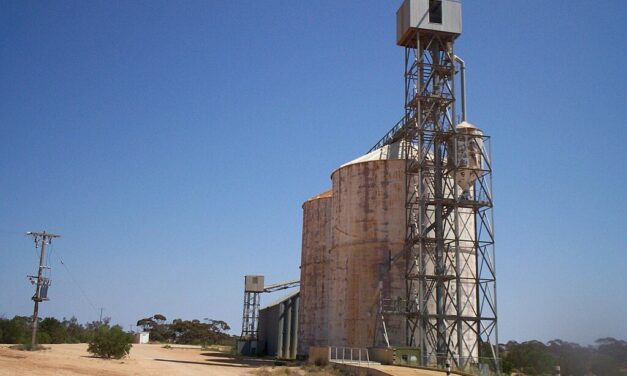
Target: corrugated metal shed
x=431, y=15
x=278, y=327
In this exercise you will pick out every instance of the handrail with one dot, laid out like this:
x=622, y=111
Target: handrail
x=349, y=355
x=391, y=136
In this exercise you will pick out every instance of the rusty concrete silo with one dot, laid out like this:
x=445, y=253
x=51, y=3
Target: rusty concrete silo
x=353, y=258
x=314, y=275
x=367, y=239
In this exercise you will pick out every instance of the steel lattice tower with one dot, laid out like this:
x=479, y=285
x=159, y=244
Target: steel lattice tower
x=253, y=287
x=450, y=304
x=250, y=316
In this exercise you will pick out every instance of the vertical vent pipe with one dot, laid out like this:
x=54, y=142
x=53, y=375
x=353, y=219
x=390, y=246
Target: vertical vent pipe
x=462, y=65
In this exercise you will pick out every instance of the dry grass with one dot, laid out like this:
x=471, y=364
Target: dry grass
x=220, y=348
x=29, y=347
x=314, y=370
x=297, y=370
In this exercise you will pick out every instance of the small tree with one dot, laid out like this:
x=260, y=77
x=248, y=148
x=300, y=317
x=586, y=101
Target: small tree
x=54, y=328
x=110, y=342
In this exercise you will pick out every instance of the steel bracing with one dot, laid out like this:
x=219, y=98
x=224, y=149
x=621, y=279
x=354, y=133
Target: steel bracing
x=450, y=304
x=251, y=315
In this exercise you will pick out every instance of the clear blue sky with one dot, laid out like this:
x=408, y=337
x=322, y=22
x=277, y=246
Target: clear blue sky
x=173, y=143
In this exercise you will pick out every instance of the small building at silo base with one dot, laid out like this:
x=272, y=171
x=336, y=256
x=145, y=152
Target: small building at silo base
x=141, y=337
x=278, y=327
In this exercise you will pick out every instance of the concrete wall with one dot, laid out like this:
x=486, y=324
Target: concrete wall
x=382, y=355
x=319, y=355
x=368, y=232
x=314, y=278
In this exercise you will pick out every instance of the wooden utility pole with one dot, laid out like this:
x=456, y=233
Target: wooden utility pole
x=41, y=289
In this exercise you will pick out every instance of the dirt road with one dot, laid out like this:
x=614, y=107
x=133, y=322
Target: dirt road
x=71, y=360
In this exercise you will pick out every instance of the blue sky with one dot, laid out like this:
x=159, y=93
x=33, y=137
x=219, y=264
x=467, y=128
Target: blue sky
x=172, y=144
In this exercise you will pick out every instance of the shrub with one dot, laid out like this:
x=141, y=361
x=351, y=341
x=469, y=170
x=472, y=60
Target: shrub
x=16, y=330
x=29, y=347
x=55, y=329
x=110, y=342
x=42, y=338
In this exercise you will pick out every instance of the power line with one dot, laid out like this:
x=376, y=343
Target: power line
x=77, y=284
x=44, y=273
x=5, y=231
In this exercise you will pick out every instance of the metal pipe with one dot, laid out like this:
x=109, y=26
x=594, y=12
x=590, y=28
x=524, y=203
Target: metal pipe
x=462, y=65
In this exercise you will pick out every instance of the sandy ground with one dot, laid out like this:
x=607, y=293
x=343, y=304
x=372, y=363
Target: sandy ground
x=71, y=360
x=66, y=360
x=406, y=371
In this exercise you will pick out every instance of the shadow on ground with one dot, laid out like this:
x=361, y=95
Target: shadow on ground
x=226, y=360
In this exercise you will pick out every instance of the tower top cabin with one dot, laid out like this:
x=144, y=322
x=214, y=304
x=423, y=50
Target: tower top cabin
x=427, y=16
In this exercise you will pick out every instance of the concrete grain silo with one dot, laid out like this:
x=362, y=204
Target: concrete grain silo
x=367, y=238
x=400, y=252
x=353, y=258
x=408, y=257
x=314, y=273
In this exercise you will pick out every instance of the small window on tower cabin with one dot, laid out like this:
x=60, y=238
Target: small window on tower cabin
x=435, y=11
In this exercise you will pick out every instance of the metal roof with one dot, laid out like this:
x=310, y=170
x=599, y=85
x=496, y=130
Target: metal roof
x=281, y=300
